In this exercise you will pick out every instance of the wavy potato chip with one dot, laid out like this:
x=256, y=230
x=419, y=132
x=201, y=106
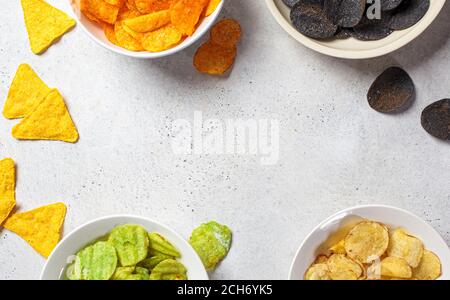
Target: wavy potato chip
x=131, y=243
x=211, y=241
x=41, y=227
x=212, y=6
x=318, y=271
x=50, y=120
x=162, y=39
x=45, y=24
x=406, y=246
x=149, y=22
x=131, y=273
x=213, y=59
x=185, y=15
x=226, y=33
x=159, y=245
x=26, y=92
x=151, y=262
x=395, y=267
x=343, y=268
x=169, y=269
x=367, y=241
x=149, y=6
x=7, y=188
x=429, y=268
x=101, y=10
x=96, y=262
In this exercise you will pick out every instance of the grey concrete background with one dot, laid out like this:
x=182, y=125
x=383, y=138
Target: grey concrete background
x=335, y=151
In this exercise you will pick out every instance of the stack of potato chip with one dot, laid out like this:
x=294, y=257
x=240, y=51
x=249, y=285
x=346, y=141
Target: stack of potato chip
x=41, y=227
x=370, y=251
x=44, y=112
x=148, y=25
x=216, y=56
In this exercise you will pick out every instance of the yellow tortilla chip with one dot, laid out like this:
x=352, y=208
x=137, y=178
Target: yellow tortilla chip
x=41, y=227
x=7, y=188
x=211, y=8
x=26, y=92
x=149, y=22
x=45, y=24
x=50, y=120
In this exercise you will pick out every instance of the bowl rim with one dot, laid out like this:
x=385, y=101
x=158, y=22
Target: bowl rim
x=354, y=54
x=357, y=207
x=145, y=54
x=119, y=216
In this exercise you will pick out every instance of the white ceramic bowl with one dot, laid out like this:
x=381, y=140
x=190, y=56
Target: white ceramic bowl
x=336, y=226
x=352, y=48
x=96, y=33
x=93, y=230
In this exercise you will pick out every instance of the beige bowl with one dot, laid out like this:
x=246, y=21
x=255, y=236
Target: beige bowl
x=352, y=48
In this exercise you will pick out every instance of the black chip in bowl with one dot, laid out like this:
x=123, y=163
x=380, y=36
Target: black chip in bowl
x=408, y=14
x=310, y=19
x=372, y=29
x=345, y=13
x=392, y=91
x=390, y=4
x=436, y=119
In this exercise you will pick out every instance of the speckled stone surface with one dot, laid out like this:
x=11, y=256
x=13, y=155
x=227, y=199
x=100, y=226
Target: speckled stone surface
x=335, y=151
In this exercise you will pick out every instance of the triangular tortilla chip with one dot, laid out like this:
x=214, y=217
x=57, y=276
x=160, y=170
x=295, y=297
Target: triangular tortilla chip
x=45, y=24
x=49, y=121
x=7, y=188
x=41, y=227
x=26, y=92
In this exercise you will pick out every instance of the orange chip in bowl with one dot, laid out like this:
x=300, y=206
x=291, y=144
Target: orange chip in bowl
x=213, y=59
x=226, y=33
x=100, y=9
x=212, y=5
x=118, y=3
x=149, y=6
x=185, y=15
x=125, y=40
x=162, y=39
x=148, y=22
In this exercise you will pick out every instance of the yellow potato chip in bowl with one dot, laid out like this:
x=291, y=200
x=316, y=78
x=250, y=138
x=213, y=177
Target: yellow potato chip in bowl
x=127, y=27
x=387, y=243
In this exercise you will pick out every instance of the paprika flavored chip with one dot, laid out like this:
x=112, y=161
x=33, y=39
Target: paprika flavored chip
x=7, y=188
x=162, y=39
x=226, y=33
x=45, y=24
x=185, y=15
x=26, y=92
x=149, y=6
x=212, y=6
x=213, y=59
x=125, y=40
x=100, y=9
x=41, y=227
x=148, y=22
x=50, y=120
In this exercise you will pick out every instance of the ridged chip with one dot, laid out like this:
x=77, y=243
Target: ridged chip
x=159, y=245
x=169, y=269
x=96, y=262
x=131, y=243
